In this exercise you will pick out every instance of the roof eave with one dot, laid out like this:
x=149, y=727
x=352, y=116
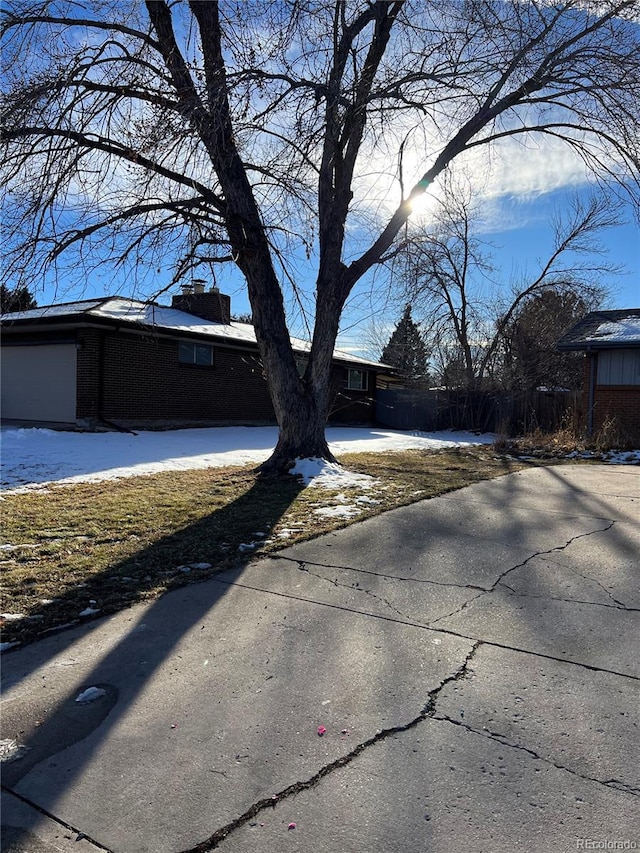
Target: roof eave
x=587, y=346
x=83, y=320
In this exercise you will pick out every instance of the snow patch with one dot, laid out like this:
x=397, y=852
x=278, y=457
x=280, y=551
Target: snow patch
x=11, y=750
x=329, y=475
x=91, y=694
x=341, y=511
x=33, y=458
x=622, y=330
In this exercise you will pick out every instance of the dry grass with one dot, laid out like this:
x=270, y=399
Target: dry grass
x=104, y=546
x=568, y=438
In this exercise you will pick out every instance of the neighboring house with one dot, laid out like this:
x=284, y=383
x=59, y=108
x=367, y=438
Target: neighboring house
x=611, y=378
x=136, y=364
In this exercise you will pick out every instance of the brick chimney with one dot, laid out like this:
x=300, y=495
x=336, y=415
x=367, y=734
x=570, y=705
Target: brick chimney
x=213, y=305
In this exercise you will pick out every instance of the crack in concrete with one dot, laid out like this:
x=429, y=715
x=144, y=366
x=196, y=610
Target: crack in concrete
x=499, y=580
x=353, y=587
x=458, y=609
x=571, y=600
x=482, y=590
x=617, y=784
x=449, y=632
x=79, y=834
x=549, y=551
x=382, y=575
x=427, y=712
x=602, y=587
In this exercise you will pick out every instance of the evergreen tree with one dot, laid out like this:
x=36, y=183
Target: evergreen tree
x=407, y=351
x=16, y=299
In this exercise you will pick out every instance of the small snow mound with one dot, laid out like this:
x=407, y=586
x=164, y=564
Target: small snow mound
x=328, y=475
x=622, y=457
x=89, y=611
x=11, y=750
x=91, y=694
x=342, y=511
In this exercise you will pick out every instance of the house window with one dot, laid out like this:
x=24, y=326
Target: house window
x=619, y=367
x=357, y=380
x=191, y=353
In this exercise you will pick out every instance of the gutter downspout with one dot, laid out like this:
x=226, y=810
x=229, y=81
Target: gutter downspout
x=592, y=390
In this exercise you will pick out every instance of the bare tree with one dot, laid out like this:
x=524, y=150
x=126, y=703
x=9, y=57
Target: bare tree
x=217, y=131
x=468, y=310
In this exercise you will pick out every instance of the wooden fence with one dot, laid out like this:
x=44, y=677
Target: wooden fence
x=499, y=412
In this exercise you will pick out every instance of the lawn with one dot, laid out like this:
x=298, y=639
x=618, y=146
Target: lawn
x=77, y=551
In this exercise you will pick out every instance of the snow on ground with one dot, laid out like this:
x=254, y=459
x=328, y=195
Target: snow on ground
x=613, y=457
x=35, y=457
x=319, y=472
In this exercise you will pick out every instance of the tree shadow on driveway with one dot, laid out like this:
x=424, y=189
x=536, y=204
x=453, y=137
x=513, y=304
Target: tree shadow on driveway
x=49, y=720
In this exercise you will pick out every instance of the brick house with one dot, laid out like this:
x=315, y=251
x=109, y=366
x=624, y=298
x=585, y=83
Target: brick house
x=127, y=363
x=611, y=376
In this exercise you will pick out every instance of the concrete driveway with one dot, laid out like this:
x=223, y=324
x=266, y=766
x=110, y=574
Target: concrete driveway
x=460, y=674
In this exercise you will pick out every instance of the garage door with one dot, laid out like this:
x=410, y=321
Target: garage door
x=39, y=382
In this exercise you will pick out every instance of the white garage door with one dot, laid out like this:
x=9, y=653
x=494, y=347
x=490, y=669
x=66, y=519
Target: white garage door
x=39, y=382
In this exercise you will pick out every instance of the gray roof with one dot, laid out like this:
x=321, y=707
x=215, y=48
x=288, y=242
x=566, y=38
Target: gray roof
x=158, y=318
x=604, y=330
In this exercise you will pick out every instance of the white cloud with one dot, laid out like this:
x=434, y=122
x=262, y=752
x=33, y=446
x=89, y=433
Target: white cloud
x=514, y=167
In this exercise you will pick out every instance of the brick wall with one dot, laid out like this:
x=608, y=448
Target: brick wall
x=88, y=370
x=133, y=379
x=212, y=305
x=615, y=407
x=144, y=384
x=348, y=406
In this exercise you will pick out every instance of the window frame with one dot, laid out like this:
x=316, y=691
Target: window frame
x=363, y=385
x=617, y=366
x=194, y=347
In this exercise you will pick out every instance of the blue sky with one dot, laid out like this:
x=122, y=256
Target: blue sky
x=522, y=246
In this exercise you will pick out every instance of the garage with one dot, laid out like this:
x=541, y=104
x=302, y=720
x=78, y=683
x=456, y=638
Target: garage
x=39, y=382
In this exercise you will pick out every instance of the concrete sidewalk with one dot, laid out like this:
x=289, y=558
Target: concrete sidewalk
x=474, y=660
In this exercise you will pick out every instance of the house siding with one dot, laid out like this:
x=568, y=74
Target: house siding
x=88, y=373
x=615, y=407
x=144, y=383
x=135, y=380
x=349, y=406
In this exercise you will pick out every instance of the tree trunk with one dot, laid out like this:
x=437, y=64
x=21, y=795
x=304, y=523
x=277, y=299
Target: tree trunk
x=301, y=435
x=302, y=404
